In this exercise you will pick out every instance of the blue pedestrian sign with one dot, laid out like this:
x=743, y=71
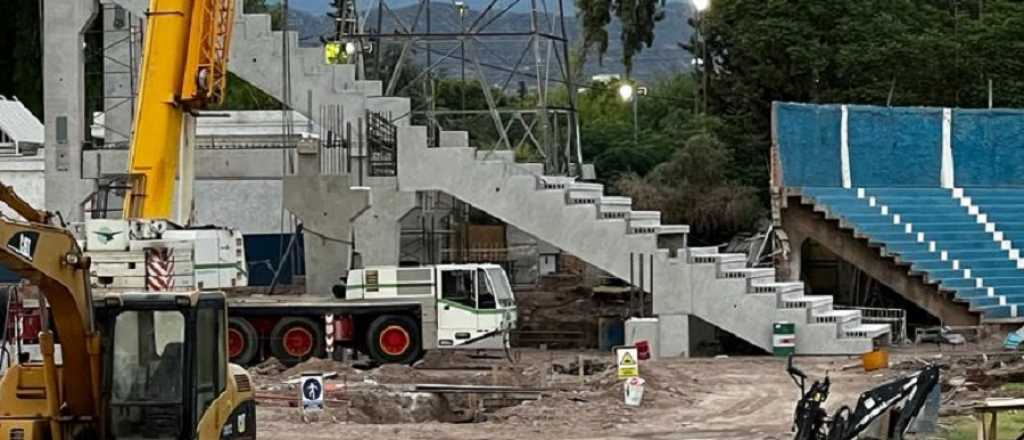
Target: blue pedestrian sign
x=312, y=390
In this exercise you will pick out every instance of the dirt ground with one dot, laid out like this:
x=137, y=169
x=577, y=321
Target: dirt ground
x=723, y=398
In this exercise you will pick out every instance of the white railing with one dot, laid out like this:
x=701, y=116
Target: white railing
x=896, y=318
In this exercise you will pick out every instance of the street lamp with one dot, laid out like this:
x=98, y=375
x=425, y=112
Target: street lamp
x=628, y=93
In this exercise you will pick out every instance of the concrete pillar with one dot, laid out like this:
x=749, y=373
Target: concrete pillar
x=788, y=268
x=378, y=231
x=64, y=24
x=674, y=335
x=121, y=55
x=328, y=206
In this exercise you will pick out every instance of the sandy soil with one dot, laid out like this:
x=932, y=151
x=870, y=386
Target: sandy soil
x=730, y=398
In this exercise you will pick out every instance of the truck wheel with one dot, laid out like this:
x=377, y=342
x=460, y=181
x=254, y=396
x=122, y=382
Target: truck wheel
x=394, y=339
x=243, y=341
x=294, y=340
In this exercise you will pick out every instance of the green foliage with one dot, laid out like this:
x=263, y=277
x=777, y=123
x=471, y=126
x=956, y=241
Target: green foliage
x=638, y=18
x=241, y=95
x=664, y=117
x=693, y=187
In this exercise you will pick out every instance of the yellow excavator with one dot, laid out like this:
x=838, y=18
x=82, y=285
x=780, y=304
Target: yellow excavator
x=149, y=365
x=135, y=365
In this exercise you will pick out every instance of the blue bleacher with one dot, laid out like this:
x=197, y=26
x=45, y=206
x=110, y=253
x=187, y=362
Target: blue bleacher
x=941, y=218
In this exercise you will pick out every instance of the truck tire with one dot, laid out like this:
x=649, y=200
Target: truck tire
x=294, y=340
x=394, y=339
x=243, y=341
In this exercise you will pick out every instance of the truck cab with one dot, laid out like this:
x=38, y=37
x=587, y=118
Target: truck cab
x=475, y=306
x=460, y=306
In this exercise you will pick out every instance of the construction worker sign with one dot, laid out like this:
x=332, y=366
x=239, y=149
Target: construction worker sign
x=312, y=390
x=626, y=360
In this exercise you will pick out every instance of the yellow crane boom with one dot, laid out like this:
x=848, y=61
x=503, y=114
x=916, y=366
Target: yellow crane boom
x=184, y=67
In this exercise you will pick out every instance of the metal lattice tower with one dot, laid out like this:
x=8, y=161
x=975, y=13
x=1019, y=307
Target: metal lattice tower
x=441, y=37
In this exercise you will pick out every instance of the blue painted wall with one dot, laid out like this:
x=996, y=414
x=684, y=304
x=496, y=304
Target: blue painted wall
x=895, y=146
x=808, y=140
x=898, y=146
x=988, y=147
x=263, y=253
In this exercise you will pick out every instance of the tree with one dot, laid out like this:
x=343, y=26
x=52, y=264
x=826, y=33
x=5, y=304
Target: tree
x=693, y=188
x=638, y=18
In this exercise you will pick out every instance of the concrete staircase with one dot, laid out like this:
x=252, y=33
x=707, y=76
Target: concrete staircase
x=574, y=216
x=256, y=53
x=603, y=230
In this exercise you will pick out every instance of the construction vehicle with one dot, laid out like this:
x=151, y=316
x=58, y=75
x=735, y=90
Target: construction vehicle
x=184, y=69
x=133, y=365
x=901, y=399
x=393, y=314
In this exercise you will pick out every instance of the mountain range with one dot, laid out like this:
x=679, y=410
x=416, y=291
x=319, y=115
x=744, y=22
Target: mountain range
x=664, y=57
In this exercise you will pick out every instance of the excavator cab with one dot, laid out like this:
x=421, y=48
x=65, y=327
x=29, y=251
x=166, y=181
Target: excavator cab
x=166, y=371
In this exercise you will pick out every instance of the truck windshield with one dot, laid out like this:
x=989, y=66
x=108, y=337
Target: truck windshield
x=499, y=282
x=147, y=364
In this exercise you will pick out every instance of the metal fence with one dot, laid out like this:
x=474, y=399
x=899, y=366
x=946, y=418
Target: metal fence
x=381, y=144
x=896, y=318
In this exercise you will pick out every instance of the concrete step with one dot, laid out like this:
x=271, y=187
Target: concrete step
x=643, y=222
x=496, y=155
x=579, y=193
x=778, y=287
x=609, y=207
x=869, y=331
x=554, y=183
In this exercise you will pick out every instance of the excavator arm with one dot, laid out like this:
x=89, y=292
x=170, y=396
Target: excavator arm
x=22, y=207
x=184, y=67
x=49, y=257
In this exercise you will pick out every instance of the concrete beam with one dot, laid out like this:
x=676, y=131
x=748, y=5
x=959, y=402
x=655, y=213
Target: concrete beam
x=800, y=223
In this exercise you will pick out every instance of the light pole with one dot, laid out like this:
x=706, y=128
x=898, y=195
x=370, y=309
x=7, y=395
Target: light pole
x=631, y=94
x=701, y=6
x=628, y=94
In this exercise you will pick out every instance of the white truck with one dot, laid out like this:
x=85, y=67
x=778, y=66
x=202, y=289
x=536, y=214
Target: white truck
x=393, y=314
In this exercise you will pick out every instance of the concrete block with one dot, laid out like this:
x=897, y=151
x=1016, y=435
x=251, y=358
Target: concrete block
x=673, y=335
x=643, y=329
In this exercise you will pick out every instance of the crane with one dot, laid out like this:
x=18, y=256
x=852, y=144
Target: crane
x=134, y=364
x=184, y=68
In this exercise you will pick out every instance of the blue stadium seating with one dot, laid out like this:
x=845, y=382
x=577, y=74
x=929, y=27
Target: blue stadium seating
x=945, y=241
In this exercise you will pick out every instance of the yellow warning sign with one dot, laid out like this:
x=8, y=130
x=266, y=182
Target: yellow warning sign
x=625, y=358
x=628, y=361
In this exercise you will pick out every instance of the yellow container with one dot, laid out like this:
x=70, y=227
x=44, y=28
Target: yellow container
x=875, y=360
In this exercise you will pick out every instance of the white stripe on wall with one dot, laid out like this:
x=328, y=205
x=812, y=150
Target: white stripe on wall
x=946, y=172
x=844, y=146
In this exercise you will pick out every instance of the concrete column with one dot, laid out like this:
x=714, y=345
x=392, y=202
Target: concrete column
x=121, y=55
x=788, y=269
x=64, y=24
x=378, y=231
x=328, y=206
x=674, y=335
